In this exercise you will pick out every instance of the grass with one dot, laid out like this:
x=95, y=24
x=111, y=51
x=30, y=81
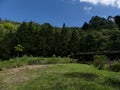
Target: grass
x=59, y=77
x=23, y=61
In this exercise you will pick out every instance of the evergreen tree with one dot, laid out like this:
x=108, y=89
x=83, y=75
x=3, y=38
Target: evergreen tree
x=64, y=35
x=47, y=39
x=57, y=42
x=117, y=20
x=73, y=45
x=90, y=43
x=85, y=26
x=114, y=41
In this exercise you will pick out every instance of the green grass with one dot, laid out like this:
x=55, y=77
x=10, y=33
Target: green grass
x=59, y=77
x=23, y=61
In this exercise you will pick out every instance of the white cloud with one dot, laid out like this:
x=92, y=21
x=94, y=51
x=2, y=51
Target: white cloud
x=87, y=9
x=113, y=3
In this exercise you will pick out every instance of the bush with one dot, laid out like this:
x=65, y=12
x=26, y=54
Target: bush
x=115, y=66
x=100, y=61
x=34, y=62
x=113, y=81
x=56, y=60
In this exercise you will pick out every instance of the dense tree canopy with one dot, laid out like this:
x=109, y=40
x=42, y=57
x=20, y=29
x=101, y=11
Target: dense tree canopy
x=99, y=34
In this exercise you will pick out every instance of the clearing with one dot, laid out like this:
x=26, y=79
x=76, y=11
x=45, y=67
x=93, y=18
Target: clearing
x=59, y=77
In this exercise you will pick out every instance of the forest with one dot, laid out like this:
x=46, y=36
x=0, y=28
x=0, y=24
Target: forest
x=34, y=39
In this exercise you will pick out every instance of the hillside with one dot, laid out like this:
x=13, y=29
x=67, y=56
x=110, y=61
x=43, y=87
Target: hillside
x=7, y=25
x=34, y=39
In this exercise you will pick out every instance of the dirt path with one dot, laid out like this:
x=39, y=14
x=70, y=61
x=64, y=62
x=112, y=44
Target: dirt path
x=18, y=69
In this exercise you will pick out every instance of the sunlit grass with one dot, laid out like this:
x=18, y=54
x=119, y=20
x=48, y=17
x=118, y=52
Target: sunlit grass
x=23, y=61
x=60, y=77
x=55, y=73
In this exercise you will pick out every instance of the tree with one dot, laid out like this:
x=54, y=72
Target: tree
x=1, y=32
x=100, y=40
x=90, y=43
x=31, y=27
x=73, y=45
x=87, y=43
x=85, y=26
x=6, y=46
x=82, y=43
x=22, y=27
x=96, y=22
x=46, y=39
x=117, y=20
x=57, y=42
x=0, y=19
x=9, y=26
x=18, y=48
x=64, y=35
x=25, y=36
x=114, y=41
x=99, y=23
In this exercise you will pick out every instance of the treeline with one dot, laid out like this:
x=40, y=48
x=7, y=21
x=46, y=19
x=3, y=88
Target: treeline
x=30, y=38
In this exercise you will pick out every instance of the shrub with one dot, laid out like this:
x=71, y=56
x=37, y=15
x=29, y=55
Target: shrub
x=115, y=66
x=34, y=62
x=100, y=61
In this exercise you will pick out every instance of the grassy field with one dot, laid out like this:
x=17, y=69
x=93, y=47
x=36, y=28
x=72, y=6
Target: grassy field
x=58, y=77
x=23, y=61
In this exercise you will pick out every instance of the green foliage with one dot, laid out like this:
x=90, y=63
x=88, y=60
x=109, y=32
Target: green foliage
x=85, y=26
x=64, y=39
x=9, y=26
x=73, y=44
x=117, y=20
x=99, y=23
x=99, y=34
x=114, y=40
x=19, y=48
x=87, y=43
x=52, y=60
x=115, y=66
x=57, y=42
x=23, y=61
x=35, y=40
x=100, y=61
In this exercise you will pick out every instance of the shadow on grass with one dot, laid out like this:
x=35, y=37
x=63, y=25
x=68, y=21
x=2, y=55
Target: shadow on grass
x=86, y=76
x=114, y=81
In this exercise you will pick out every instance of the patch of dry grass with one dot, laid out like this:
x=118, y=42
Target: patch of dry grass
x=10, y=78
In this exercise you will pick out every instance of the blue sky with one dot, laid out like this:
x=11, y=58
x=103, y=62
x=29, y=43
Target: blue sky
x=57, y=12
